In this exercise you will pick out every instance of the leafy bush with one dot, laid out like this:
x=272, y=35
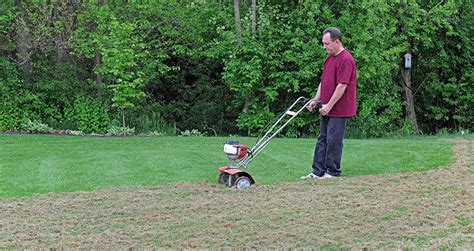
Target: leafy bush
x=154, y=133
x=90, y=114
x=10, y=117
x=192, y=133
x=120, y=131
x=35, y=126
x=75, y=133
x=152, y=121
x=11, y=113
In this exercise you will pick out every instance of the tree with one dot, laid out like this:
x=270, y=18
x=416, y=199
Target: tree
x=120, y=51
x=203, y=65
x=406, y=79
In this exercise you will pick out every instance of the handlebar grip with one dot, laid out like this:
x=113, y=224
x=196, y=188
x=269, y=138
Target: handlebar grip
x=319, y=105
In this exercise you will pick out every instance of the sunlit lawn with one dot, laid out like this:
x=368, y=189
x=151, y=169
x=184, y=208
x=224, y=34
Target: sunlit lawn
x=31, y=164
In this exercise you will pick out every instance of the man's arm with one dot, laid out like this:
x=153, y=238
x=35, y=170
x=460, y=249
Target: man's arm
x=318, y=92
x=340, y=89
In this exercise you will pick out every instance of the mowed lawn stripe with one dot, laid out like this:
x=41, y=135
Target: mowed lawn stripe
x=31, y=164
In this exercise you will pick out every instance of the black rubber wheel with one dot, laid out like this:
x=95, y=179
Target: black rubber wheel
x=242, y=182
x=223, y=178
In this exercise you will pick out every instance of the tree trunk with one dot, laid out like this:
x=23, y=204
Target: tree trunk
x=22, y=36
x=248, y=99
x=247, y=104
x=98, y=77
x=65, y=12
x=61, y=53
x=123, y=117
x=254, y=35
x=238, y=29
x=98, y=61
x=254, y=18
x=410, y=102
x=406, y=79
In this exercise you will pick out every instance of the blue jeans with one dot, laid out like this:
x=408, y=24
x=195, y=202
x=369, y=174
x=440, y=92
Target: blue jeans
x=328, y=152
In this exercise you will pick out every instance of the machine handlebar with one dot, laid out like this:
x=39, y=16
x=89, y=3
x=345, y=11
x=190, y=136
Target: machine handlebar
x=319, y=104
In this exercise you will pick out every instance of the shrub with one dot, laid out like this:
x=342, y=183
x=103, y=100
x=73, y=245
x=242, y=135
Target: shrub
x=90, y=115
x=152, y=121
x=192, y=133
x=35, y=126
x=154, y=133
x=10, y=117
x=121, y=131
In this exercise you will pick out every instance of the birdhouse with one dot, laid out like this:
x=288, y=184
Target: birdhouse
x=407, y=60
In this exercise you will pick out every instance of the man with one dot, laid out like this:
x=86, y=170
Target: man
x=337, y=93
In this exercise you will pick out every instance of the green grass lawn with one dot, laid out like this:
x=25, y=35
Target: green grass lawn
x=31, y=164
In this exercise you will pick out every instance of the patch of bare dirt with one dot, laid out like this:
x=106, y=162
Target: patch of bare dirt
x=423, y=210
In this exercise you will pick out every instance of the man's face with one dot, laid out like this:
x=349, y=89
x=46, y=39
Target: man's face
x=330, y=46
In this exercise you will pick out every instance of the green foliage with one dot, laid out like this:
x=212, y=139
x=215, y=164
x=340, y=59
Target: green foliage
x=120, y=131
x=89, y=115
x=10, y=117
x=11, y=112
x=271, y=72
x=119, y=49
x=7, y=17
x=181, y=60
x=35, y=126
x=192, y=133
x=370, y=33
x=153, y=122
x=443, y=74
x=154, y=134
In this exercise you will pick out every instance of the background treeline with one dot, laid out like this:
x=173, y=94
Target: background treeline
x=227, y=67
